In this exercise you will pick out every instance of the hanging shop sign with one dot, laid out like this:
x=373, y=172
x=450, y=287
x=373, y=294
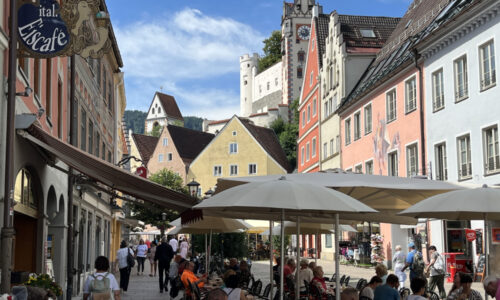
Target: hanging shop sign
x=46, y=29
x=470, y=234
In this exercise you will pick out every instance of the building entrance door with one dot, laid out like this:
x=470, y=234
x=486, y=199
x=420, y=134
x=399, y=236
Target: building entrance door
x=25, y=243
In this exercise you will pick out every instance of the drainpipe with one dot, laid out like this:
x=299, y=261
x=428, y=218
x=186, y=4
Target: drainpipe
x=416, y=56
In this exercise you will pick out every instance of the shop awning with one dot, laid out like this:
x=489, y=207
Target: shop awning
x=107, y=173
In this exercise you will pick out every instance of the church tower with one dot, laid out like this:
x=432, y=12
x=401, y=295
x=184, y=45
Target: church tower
x=295, y=32
x=248, y=70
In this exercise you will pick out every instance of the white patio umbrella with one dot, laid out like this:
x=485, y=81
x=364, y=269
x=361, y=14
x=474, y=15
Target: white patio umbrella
x=469, y=204
x=209, y=225
x=309, y=228
x=279, y=199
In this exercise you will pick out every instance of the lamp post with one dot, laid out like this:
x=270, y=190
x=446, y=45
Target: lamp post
x=193, y=188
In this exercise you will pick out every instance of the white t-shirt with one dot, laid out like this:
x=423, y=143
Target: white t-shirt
x=142, y=250
x=121, y=256
x=112, y=281
x=416, y=297
x=367, y=292
x=174, y=244
x=232, y=294
x=305, y=274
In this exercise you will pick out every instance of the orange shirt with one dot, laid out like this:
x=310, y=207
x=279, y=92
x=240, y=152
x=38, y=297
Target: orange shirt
x=189, y=275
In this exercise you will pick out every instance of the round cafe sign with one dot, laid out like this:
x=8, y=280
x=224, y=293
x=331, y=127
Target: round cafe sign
x=41, y=30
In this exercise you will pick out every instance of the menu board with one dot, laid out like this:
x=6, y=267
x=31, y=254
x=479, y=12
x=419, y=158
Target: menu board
x=495, y=235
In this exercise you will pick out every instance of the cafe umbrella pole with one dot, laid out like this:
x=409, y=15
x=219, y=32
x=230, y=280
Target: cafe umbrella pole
x=271, y=273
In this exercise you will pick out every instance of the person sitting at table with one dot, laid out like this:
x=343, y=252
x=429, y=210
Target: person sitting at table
x=368, y=290
x=465, y=292
x=319, y=282
x=312, y=265
x=233, y=265
x=381, y=271
x=389, y=290
x=492, y=286
x=305, y=274
x=232, y=290
x=289, y=268
x=417, y=286
x=217, y=294
x=189, y=277
x=349, y=293
x=244, y=274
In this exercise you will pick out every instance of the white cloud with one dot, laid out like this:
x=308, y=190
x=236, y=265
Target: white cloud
x=176, y=51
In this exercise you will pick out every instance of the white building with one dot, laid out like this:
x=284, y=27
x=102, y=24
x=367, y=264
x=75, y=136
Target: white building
x=462, y=110
x=163, y=111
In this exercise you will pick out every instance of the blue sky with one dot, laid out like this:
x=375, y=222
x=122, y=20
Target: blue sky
x=191, y=48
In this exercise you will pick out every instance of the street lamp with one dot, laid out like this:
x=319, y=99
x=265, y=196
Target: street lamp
x=163, y=216
x=193, y=187
x=209, y=193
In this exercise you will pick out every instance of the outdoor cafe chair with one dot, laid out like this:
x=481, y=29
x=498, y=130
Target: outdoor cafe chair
x=256, y=288
x=361, y=284
x=404, y=293
x=342, y=279
x=267, y=291
x=334, y=277
x=305, y=294
x=346, y=281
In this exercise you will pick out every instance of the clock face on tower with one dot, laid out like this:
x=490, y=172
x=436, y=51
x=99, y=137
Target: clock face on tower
x=303, y=32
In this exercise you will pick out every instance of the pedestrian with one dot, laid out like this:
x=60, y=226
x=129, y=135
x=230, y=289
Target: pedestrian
x=183, y=248
x=414, y=261
x=142, y=250
x=123, y=264
x=173, y=276
x=465, y=292
x=436, y=267
x=492, y=286
x=102, y=283
x=388, y=291
x=417, y=286
x=381, y=271
x=398, y=260
x=368, y=291
x=163, y=255
x=151, y=258
x=174, y=243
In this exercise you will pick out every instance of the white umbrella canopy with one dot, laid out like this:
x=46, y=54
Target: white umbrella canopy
x=309, y=228
x=208, y=223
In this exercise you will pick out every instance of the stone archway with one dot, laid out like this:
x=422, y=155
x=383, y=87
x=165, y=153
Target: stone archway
x=56, y=235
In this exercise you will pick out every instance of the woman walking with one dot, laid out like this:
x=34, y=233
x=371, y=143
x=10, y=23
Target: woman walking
x=398, y=260
x=151, y=257
x=121, y=259
x=142, y=250
x=184, y=247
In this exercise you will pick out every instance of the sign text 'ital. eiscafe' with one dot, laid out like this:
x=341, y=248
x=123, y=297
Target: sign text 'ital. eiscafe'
x=41, y=29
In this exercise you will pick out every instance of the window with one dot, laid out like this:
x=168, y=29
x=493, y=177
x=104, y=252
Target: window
x=411, y=160
x=328, y=241
x=308, y=113
x=260, y=89
x=410, y=95
x=24, y=64
x=83, y=129
x=234, y=133
x=276, y=81
x=268, y=85
x=441, y=165
x=103, y=152
x=326, y=109
x=299, y=72
x=97, y=143
x=332, y=150
x=48, y=89
x=60, y=112
x=303, y=118
x=437, y=90
x=490, y=146
x=109, y=157
x=464, y=158
x=333, y=104
x=153, y=110
x=357, y=126
x=169, y=156
x=358, y=169
x=91, y=137
x=487, y=65
x=252, y=169
x=165, y=142
x=325, y=150
x=330, y=71
x=367, y=33
x=233, y=170
x=159, y=110
x=348, y=131
x=233, y=148
x=307, y=152
x=302, y=156
x=369, y=167
x=392, y=169
x=301, y=56
x=391, y=105
x=368, y=118
x=315, y=104
x=217, y=171
x=337, y=144
x=313, y=147
x=160, y=158
x=460, y=75
x=37, y=78
x=311, y=79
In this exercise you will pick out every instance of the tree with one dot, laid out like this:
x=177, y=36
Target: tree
x=288, y=133
x=156, y=132
x=194, y=123
x=152, y=213
x=272, y=51
x=134, y=119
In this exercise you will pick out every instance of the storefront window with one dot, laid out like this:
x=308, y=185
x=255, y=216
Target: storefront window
x=23, y=192
x=89, y=237
x=97, y=237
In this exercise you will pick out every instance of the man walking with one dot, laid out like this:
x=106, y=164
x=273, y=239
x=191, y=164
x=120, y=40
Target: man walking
x=437, y=271
x=415, y=261
x=163, y=255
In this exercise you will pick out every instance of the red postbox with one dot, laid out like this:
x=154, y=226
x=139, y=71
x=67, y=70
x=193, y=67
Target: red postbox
x=451, y=264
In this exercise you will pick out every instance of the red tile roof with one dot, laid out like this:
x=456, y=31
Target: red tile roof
x=189, y=143
x=170, y=106
x=146, y=145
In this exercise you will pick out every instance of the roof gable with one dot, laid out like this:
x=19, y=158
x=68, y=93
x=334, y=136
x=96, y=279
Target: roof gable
x=351, y=29
x=321, y=26
x=145, y=145
x=169, y=105
x=189, y=143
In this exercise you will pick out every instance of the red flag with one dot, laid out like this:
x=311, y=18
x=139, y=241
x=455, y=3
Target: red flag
x=470, y=234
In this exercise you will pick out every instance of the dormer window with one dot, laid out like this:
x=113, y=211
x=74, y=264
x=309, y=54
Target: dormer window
x=367, y=33
x=153, y=110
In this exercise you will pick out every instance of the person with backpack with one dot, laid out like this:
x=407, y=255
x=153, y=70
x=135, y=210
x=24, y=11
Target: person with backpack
x=414, y=261
x=102, y=283
x=125, y=260
x=436, y=267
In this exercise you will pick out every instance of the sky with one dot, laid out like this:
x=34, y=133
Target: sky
x=190, y=48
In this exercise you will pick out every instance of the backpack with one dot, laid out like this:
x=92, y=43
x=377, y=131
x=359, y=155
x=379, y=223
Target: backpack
x=100, y=288
x=439, y=265
x=418, y=264
x=130, y=259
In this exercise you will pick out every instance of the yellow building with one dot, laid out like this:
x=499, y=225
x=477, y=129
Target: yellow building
x=239, y=149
